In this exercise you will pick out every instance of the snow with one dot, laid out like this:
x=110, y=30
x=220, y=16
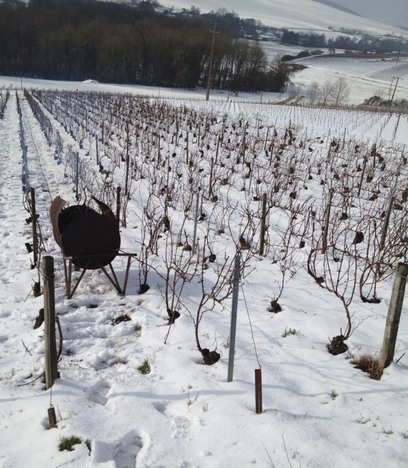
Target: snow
x=365, y=77
x=318, y=410
x=295, y=14
x=370, y=67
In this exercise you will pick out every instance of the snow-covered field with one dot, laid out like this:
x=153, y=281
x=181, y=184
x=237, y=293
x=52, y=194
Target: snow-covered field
x=365, y=77
x=318, y=410
x=371, y=67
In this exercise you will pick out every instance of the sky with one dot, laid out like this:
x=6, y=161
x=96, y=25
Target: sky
x=391, y=11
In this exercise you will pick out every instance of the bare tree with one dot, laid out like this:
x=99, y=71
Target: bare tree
x=340, y=91
x=326, y=93
x=313, y=92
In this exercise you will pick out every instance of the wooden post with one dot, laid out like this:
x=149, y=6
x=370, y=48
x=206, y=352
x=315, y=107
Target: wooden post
x=97, y=150
x=234, y=317
x=34, y=225
x=393, y=317
x=217, y=149
x=25, y=174
x=258, y=391
x=50, y=346
x=263, y=226
x=344, y=137
x=187, y=158
x=77, y=178
x=52, y=418
x=158, y=151
x=118, y=207
x=210, y=194
x=374, y=153
x=127, y=162
x=360, y=185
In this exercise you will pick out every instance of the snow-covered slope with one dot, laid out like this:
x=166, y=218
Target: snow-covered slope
x=365, y=77
x=299, y=14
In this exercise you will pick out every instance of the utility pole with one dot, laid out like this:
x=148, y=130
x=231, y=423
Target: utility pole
x=390, y=88
x=395, y=89
x=214, y=32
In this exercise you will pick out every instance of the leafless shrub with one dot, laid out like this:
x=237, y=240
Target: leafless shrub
x=335, y=268
x=284, y=253
x=215, y=285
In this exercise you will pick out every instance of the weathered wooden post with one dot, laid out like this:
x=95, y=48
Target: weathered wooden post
x=77, y=177
x=360, y=185
x=393, y=317
x=52, y=418
x=187, y=154
x=258, y=391
x=97, y=150
x=118, y=206
x=127, y=162
x=263, y=226
x=34, y=225
x=50, y=346
x=25, y=174
x=210, y=192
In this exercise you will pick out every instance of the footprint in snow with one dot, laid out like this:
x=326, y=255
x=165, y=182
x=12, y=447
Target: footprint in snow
x=127, y=450
x=98, y=393
x=181, y=426
x=179, y=423
x=122, y=452
x=160, y=406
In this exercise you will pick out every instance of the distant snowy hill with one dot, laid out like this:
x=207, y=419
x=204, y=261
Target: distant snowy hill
x=296, y=14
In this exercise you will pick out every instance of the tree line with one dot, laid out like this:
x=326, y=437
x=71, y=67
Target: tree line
x=363, y=43
x=109, y=42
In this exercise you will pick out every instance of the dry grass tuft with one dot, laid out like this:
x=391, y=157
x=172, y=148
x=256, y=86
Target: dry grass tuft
x=370, y=364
